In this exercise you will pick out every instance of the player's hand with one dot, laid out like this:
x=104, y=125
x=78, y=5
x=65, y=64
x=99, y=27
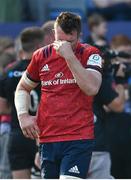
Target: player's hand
x=64, y=49
x=29, y=126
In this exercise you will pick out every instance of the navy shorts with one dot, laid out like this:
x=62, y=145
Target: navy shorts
x=70, y=158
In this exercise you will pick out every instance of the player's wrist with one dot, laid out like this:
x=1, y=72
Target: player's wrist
x=23, y=116
x=22, y=102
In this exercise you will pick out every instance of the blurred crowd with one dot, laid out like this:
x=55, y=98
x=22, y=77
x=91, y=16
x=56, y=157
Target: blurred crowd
x=116, y=113
x=40, y=10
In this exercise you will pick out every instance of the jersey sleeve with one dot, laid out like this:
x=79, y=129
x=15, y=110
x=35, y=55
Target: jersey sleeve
x=93, y=59
x=106, y=93
x=32, y=71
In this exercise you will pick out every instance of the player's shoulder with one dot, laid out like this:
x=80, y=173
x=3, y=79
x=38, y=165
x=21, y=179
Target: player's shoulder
x=43, y=52
x=15, y=70
x=89, y=48
x=11, y=66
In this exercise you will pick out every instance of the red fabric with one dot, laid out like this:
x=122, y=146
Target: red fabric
x=5, y=118
x=65, y=112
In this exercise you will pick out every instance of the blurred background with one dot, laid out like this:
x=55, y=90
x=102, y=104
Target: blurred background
x=18, y=14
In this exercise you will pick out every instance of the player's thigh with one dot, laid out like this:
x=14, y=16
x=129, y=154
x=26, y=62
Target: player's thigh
x=50, y=167
x=50, y=170
x=76, y=161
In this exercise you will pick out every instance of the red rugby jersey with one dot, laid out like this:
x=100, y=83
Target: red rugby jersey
x=65, y=112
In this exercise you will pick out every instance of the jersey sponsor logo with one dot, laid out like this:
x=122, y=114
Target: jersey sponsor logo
x=12, y=74
x=58, y=82
x=95, y=59
x=74, y=169
x=59, y=75
x=45, y=68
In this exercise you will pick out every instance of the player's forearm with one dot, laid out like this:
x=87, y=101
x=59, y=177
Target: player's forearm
x=22, y=101
x=88, y=81
x=22, y=95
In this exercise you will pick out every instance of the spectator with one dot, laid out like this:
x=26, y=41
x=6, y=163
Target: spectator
x=113, y=99
x=113, y=10
x=118, y=127
x=120, y=43
x=98, y=28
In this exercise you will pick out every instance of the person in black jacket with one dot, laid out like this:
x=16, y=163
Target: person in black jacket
x=110, y=98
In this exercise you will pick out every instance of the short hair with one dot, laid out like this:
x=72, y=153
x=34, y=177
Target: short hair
x=120, y=40
x=30, y=38
x=47, y=27
x=69, y=22
x=95, y=20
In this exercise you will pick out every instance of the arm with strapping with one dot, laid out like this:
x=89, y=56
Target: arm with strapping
x=22, y=101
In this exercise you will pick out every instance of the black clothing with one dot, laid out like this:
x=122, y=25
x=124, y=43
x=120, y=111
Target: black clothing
x=8, y=85
x=22, y=150
x=119, y=139
x=105, y=96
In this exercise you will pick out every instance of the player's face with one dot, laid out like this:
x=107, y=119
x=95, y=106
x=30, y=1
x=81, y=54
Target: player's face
x=61, y=35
